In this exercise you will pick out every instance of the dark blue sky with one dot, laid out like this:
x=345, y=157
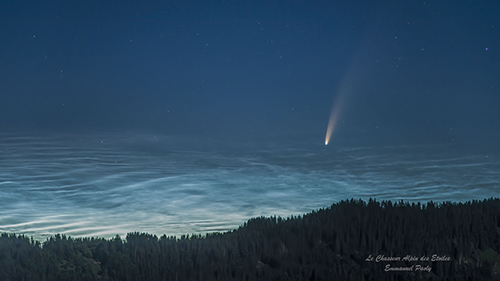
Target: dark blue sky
x=414, y=69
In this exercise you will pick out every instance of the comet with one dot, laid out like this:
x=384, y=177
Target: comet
x=332, y=122
x=337, y=107
x=348, y=86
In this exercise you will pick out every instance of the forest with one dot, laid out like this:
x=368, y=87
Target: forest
x=350, y=240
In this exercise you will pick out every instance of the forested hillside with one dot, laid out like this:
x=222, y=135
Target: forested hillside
x=351, y=240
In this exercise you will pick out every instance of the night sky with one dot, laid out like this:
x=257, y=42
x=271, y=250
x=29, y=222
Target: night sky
x=408, y=70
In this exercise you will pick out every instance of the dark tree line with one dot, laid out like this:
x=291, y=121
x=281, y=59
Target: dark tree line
x=327, y=244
